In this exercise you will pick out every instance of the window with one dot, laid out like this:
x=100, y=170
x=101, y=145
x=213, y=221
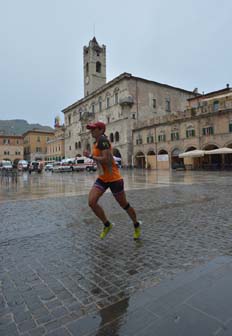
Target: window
x=139, y=141
x=133, y=116
x=116, y=98
x=87, y=68
x=70, y=147
x=108, y=120
x=6, y=141
x=107, y=102
x=190, y=133
x=79, y=144
x=161, y=138
x=38, y=150
x=17, y=153
x=230, y=127
x=98, y=67
x=69, y=119
x=76, y=145
x=150, y=139
x=116, y=136
x=167, y=105
x=154, y=103
x=111, y=137
x=100, y=104
x=174, y=136
x=208, y=130
x=38, y=138
x=215, y=106
x=93, y=108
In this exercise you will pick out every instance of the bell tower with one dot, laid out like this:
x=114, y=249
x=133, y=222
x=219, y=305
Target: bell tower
x=94, y=66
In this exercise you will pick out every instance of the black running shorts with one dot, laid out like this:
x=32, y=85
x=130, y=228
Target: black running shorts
x=116, y=187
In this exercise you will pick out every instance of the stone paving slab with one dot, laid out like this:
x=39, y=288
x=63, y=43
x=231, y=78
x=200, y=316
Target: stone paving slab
x=56, y=274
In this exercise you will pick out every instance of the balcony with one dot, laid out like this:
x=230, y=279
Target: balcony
x=127, y=101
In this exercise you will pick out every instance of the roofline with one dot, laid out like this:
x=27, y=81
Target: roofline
x=210, y=94
x=124, y=75
x=11, y=135
x=38, y=131
x=164, y=85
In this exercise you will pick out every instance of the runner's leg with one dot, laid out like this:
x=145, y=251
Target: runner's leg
x=121, y=199
x=94, y=195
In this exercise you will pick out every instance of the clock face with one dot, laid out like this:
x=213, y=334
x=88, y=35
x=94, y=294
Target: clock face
x=87, y=80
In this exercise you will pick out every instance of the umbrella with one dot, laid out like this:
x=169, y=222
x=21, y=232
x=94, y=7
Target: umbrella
x=193, y=153
x=223, y=150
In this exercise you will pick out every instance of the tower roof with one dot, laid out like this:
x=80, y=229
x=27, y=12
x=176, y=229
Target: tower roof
x=94, y=42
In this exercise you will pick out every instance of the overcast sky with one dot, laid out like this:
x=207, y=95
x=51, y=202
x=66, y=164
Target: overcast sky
x=183, y=43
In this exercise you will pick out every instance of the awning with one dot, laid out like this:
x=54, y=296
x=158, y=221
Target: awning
x=223, y=150
x=193, y=153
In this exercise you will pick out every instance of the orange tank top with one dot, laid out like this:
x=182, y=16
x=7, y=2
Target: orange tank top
x=108, y=172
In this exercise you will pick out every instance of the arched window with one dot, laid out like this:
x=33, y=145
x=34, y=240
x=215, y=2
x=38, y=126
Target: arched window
x=76, y=145
x=111, y=137
x=107, y=101
x=87, y=68
x=98, y=67
x=116, y=136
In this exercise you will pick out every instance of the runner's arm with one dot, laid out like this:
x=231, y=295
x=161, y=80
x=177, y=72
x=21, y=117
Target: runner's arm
x=106, y=156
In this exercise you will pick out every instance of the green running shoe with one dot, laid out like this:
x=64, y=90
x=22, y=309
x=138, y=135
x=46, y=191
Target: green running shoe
x=137, y=232
x=105, y=231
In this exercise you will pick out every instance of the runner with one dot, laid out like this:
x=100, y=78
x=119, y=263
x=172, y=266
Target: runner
x=109, y=177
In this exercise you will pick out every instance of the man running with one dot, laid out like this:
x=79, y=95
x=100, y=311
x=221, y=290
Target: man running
x=109, y=177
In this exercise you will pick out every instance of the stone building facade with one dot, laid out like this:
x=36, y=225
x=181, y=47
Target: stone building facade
x=35, y=144
x=55, y=146
x=205, y=124
x=11, y=148
x=122, y=103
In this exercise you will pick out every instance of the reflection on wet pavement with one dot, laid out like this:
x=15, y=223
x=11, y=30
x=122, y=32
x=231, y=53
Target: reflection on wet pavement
x=44, y=185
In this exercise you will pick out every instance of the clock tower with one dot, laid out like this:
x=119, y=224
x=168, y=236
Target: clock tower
x=94, y=66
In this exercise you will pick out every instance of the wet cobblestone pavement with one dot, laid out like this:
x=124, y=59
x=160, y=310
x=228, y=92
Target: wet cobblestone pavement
x=58, y=278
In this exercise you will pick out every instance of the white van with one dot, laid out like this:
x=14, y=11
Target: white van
x=6, y=165
x=84, y=163
x=22, y=165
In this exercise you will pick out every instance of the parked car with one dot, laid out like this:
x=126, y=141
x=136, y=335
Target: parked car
x=48, y=167
x=60, y=167
x=35, y=166
x=22, y=165
x=6, y=165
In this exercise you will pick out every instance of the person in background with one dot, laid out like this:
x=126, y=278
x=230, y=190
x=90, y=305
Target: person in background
x=109, y=177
